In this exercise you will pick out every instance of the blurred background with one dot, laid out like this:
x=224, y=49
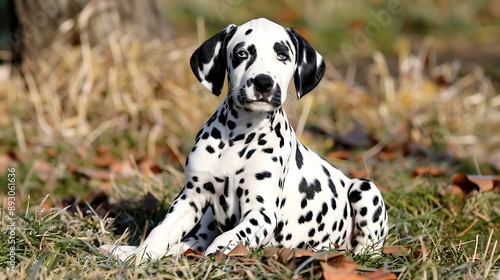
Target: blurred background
x=90, y=89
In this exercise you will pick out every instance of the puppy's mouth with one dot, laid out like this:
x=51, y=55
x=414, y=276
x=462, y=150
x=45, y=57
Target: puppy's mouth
x=256, y=101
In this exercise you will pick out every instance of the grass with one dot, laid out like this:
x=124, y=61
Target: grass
x=88, y=130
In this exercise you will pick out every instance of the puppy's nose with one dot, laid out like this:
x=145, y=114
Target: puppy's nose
x=263, y=83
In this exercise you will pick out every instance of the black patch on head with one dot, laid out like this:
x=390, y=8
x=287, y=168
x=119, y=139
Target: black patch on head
x=281, y=47
x=235, y=62
x=375, y=201
x=252, y=52
x=248, y=31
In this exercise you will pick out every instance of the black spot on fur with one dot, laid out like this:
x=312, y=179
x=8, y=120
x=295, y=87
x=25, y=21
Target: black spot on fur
x=209, y=187
x=365, y=186
x=377, y=213
x=355, y=196
x=299, y=159
x=277, y=130
x=248, y=31
x=363, y=211
x=254, y=222
x=210, y=149
x=231, y=125
x=268, y=150
x=375, y=201
x=250, y=153
x=309, y=190
x=250, y=137
x=263, y=175
x=252, y=52
x=239, y=192
x=194, y=206
x=333, y=204
x=304, y=219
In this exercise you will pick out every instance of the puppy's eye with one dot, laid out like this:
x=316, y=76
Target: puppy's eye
x=283, y=56
x=241, y=54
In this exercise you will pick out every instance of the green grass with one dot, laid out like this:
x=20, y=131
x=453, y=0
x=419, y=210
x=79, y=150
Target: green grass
x=133, y=101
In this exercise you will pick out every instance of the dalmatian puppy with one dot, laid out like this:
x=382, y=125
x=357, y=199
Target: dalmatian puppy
x=248, y=178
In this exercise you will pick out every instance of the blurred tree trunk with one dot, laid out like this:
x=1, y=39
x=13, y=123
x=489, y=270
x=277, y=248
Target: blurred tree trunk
x=44, y=21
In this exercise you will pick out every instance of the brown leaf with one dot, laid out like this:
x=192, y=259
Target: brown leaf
x=470, y=183
x=239, y=250
x=361, y=173
x=349, y=273
x=395, y=250
x=343, y=155
x=103, y=160
x=486, y=183
x=191, y=252
x=427, y=170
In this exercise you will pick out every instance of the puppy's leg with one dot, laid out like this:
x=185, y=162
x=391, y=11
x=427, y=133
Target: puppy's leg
x=370, y=216
x=185, y=212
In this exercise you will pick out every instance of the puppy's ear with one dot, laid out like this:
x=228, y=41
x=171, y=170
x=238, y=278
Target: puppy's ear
x=309, y=64
x=208, y=62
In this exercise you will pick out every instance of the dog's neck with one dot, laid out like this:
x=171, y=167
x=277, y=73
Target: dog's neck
x=252, y=120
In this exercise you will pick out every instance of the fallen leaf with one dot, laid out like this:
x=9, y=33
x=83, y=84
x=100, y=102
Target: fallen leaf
x=104, y=160
x=239, y=250
x=361, y=173
x=486, y=183
x=427, y=170
x=343, y=155
x=395, y=250
x=191, y=252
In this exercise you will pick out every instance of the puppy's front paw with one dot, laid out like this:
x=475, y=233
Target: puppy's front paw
x=119, y=252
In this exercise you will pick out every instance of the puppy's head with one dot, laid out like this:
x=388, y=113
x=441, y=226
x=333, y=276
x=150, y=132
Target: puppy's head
x=260, y=58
